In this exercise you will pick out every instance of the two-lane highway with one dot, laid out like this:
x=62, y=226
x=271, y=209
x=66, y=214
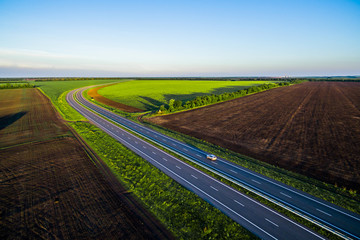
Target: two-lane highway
x=341, y=221
x=259, y=219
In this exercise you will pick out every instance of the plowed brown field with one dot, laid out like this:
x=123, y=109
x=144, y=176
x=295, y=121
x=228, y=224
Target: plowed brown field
x=50, y=188
x=311, y=128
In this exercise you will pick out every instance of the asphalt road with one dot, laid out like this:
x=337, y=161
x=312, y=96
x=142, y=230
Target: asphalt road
x=324, y=213
x=256, y=217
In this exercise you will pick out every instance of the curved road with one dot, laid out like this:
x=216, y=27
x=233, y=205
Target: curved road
x=257, y=220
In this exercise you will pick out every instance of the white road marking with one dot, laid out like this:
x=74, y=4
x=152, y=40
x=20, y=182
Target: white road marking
x=239, y=203
x=215, y=163
x=144, y=146
x=178, y=167
x=194, y=177
x=255, y=181
x=271, y=222
x=185, y=149
x=285, y=195
x=233, y=171
x=154, y=153
x=214, y=188
x=165, y=159
x=136, y=142
x=324, y=212
x=198, y=155
x=164, y=140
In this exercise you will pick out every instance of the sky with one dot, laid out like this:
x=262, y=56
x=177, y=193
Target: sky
x=195, y=38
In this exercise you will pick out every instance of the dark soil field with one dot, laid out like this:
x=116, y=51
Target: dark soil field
x=311, y=128
x=95, y=95
x=49, y=186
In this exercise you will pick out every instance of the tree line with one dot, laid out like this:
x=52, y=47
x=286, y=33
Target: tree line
x=176, y=105
x=16, y=85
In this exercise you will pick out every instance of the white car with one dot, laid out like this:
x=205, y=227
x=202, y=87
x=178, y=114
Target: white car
x=212, y=157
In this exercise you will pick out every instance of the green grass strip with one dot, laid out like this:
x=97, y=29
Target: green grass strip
x=181, y=211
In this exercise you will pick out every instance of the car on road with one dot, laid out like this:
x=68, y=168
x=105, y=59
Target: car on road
x=212, y=157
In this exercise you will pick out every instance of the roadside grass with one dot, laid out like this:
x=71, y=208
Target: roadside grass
x=151, y=94
x=180, y=210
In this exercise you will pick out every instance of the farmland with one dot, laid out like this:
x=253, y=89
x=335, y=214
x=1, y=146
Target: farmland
x=93, y=94
x=50, y=188
x=311, y=128
x=151, y=94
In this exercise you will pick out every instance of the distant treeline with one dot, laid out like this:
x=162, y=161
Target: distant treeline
x=12, y=79
x=176, y=105
x=72, y=79
x=285, y=79
x=16, y=85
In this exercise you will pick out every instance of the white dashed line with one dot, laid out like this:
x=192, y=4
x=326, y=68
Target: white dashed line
x=165, y=159
x=214, y=188
x=233, y=171
x=178, y=167
x=285, y=195
x=194, y=177
x=271, y=222
x=324, y=212
x=154, y=153
x=255, y=181
x=239, y=203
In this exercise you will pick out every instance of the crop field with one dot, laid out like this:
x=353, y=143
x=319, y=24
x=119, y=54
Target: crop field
x=50, y=188
x=311, y=128
x=151, y=94
x=93, y=93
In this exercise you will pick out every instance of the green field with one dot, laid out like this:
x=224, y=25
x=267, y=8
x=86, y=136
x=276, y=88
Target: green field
x=56, y=91
x=151, y=94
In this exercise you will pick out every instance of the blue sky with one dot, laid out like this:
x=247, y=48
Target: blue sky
x=179, y=38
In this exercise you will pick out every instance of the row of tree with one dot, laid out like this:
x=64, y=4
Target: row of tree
x=16, y=85
x=176, y=105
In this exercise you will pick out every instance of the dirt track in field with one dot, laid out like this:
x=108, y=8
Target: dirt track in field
x=51, y=189
x=311, y=128
x=95, y=95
